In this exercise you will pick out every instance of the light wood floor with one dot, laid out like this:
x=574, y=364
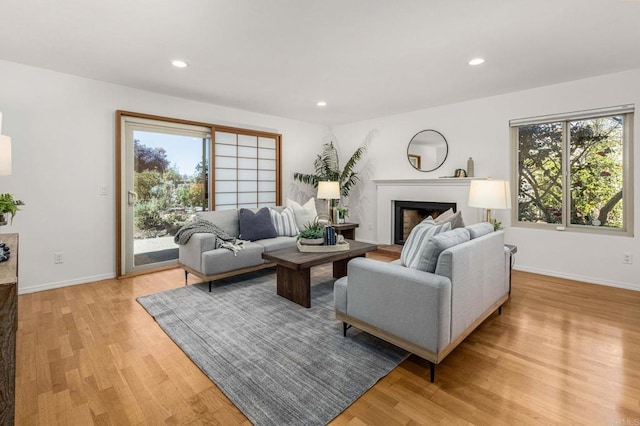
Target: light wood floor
x=562, y=352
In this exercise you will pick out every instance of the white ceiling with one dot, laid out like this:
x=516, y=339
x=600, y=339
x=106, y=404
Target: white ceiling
x=365, y=58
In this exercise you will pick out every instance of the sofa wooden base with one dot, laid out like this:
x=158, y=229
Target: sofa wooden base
x=433, y=357
x=210, y=278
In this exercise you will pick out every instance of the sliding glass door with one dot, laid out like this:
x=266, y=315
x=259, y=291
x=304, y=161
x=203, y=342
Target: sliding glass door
x=165, y=181
x=170, y=169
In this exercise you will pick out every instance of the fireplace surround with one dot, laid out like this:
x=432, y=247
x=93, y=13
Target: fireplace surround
x=407, y=214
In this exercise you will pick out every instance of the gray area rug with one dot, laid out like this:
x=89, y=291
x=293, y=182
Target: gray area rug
x=279, y=363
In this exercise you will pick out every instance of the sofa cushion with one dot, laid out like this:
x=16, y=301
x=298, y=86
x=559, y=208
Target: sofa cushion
x=417, y=241
x=479, y=229
x=256, y=226
x=284, y=222
x=222, y=260
x=455, y=219
x=271, y=244
x=304, y=214
x=439, y=243
x=227, y=220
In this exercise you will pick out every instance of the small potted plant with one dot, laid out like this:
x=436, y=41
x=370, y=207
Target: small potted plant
x=342, y=213
x=313, y=234
x=8, y=205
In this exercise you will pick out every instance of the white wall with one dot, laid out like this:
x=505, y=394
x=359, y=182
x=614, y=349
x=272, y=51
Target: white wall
x=480, y=129
x=63, y=133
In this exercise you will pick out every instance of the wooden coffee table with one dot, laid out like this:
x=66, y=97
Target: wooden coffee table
x=293, y=268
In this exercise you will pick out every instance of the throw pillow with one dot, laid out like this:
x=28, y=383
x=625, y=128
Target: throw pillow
x=439, y=243
x=417, y=241
x=256, y=226
x=304, y=214
x=455, y=219
x=284, y=222
x=479, y=229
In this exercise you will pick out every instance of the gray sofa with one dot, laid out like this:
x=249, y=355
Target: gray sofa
x=200, y=257
x=427, y=313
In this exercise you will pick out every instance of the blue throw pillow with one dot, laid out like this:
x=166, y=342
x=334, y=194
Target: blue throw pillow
x=256, y=226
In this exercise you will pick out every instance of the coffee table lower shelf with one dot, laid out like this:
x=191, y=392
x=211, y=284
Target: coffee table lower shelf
x=293, y=268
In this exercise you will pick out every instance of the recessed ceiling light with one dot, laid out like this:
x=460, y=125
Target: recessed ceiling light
x=321, y=103
x=179, y=64
x=476, y=61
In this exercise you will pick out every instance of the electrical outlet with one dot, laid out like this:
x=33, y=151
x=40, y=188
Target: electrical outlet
x=58, y=257
x=370, y=227
x=627, y=258
x=103, y=189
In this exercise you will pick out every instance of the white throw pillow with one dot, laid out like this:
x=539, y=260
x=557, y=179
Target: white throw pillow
x=303, y=214
x=417, y=241
x=284, y=222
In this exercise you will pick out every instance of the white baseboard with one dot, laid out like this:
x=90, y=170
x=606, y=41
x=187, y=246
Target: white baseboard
x=575, y=277
x=50, y=286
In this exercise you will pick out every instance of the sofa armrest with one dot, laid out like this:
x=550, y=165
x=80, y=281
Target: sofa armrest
x=478, y=273
x=190, y=254
x=411, y=304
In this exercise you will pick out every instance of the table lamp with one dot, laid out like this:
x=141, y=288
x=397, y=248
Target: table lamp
x=490, y=194
x=5, y=152
x=329, y=191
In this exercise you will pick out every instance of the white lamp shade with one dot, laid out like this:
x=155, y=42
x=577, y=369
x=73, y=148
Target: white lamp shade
x=490, y=194
x=5, y=155
x=328, y=190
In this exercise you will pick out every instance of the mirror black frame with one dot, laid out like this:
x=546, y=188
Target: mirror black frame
x=417, y=160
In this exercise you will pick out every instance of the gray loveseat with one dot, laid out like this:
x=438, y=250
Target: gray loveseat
x=427, y=313
x=200, y=257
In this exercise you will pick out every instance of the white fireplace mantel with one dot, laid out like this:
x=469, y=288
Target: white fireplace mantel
x=419, y=182
x=448, y=190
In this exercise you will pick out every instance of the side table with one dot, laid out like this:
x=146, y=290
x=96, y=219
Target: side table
x=347, y=230
x=512, y=250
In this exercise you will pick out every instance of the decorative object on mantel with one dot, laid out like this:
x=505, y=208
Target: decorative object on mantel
x=427, y=150
x=470, y=167
x=490, y=194
x=460, y=173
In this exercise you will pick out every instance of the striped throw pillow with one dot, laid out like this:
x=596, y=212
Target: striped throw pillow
x=417, y=241
x=284, y=222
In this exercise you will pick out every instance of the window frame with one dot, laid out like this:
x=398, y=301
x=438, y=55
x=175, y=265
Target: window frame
x=627, y=111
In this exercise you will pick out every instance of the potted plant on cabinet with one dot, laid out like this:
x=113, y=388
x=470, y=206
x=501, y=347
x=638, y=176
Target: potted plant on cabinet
x=8, y=205
x=342, y=213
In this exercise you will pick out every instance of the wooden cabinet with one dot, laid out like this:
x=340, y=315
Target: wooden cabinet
x=8, y=329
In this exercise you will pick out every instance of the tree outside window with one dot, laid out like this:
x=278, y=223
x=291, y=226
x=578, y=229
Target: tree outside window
x=573, y=165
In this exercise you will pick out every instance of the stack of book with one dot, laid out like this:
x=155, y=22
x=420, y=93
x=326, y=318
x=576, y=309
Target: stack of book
x=329, y=235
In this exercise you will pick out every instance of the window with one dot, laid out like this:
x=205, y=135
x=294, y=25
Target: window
x=573, y=171
x=246, y=170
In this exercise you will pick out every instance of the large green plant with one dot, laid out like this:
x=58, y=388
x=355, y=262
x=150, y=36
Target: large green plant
x=327, y=166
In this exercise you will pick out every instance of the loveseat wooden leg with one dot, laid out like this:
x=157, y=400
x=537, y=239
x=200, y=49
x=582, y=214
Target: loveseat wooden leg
x=345, y=326
x=209, y=286
x=186, y=276
x=432, y=371
x=500, y=310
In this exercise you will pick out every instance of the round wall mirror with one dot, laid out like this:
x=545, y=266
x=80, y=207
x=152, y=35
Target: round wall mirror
x=427, y=150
